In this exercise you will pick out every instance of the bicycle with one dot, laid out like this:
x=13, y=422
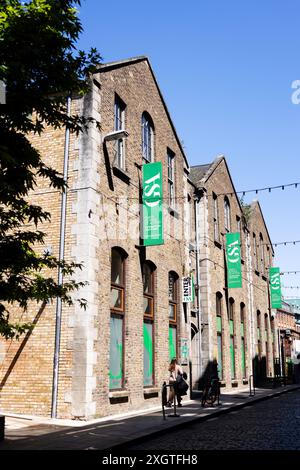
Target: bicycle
x=211, y=393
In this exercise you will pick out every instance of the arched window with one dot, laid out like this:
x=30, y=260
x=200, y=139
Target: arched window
x=216, y=217
x=119, y=125
x=173, y=313
x=243, y=339
x=227, y=215
x=219, y=310
x=148, y=312
x=262, y=253
x=258, y=334
x=147, y=138
x=255, y=252
x=171, y=176
x=232, y=342
x=117, y=309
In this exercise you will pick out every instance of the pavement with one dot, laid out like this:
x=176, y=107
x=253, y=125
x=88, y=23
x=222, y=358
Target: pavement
x=33, y=433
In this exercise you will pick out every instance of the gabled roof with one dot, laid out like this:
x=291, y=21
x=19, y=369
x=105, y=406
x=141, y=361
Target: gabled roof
x=200, y=174
x=254, y=204
x=134, y=60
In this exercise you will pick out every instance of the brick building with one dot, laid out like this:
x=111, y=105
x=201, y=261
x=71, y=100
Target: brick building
x=114, y=356
x=236, y=323
x=288, y=335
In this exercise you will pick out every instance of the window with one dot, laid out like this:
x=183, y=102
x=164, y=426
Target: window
x=227, y=216
x=171, y=177
x=119, y=125
x=240, y=231
x=148, y=312
x=117, y=309
x=232, y=342
x=216, y=218
x=270, y=257
x=262, y=253
x=243, y=342
x=188, y=218
x=173, y=308
x=219, y=334
x=255, y=252
x=258, y=335
x=147, y=138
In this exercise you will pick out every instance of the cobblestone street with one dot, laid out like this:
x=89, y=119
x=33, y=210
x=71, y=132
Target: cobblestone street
x=270, y=425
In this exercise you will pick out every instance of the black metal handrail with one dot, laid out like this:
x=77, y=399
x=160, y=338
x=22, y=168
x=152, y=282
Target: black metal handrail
x=164, y=401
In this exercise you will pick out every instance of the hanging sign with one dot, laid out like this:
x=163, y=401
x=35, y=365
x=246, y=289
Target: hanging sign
x=234, y=266
x=152, y=232
x=275, y=288
x=184, y=351
x=187, y=289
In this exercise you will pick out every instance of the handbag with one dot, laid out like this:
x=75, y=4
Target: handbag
x=181, y=385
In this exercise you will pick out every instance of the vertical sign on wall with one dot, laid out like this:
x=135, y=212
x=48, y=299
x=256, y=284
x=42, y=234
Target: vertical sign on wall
x=275, y=288
x=187, y=289
x=152, y=233
x=234, y=266
x=184, y=351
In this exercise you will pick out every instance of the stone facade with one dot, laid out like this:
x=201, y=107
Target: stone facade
x=233, y=343
x=103, y=217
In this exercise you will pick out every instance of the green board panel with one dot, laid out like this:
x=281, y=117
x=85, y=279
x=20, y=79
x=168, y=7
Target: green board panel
x=172, y=342
x=116, y=352
x=233, y=256
x=152, y=230
x=275, y=288
x=232, y=357
x=148, y=354
x=220, y=357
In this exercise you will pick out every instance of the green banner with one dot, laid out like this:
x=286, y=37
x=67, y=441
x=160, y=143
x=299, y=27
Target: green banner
x=234, y=266
x=275, y=288
x=152, y=204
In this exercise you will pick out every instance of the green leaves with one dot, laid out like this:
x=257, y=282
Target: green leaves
x=41, y=66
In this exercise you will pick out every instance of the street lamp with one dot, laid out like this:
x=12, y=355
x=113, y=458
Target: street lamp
x=115, y=135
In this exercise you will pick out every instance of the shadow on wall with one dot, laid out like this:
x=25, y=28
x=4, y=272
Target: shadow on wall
x=22, y=346
x=210, y=373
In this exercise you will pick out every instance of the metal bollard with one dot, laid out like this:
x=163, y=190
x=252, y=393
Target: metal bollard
x=164, y=400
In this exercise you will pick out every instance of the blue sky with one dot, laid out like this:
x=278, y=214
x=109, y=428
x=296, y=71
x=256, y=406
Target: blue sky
x=225, y=69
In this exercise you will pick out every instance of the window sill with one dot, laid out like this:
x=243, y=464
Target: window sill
x=119, y=394
x=234, y=383
x=121, y=174
x=223, y=383
x=151, y=391
x=173, y=212
x=245, y=381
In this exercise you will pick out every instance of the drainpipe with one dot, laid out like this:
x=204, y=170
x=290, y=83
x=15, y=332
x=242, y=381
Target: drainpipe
x=199, y=316
x=252, y=313
x=63, y=213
